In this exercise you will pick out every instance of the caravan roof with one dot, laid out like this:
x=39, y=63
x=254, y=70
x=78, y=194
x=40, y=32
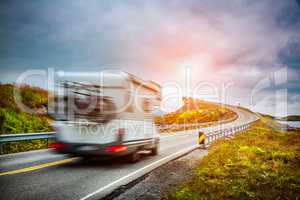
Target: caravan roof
x=109, y=79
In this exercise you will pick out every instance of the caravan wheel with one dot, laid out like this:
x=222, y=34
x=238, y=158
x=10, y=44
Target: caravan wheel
x=134, y=157
x=154, y=150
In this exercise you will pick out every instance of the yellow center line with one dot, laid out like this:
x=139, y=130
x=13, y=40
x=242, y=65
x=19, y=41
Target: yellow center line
x=32, y=168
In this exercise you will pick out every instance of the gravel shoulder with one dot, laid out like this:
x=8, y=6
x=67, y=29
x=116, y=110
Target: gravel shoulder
x=153, y=185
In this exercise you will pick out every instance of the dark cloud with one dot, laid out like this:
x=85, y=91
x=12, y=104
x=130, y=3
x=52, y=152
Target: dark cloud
x=152, y=38
x=149, y=33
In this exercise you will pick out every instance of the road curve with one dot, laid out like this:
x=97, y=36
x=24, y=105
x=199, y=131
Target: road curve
x=44, y=174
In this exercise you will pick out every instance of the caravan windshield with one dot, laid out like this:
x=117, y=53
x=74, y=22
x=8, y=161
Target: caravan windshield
x=84, y=105
x=94, y=108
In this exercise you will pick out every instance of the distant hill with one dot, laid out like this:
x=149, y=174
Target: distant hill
x=196, y=111
x=267, y=116
x=14, y=120
x=290, y=118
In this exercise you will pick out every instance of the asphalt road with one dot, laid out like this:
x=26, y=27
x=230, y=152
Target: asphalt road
x=45, y=175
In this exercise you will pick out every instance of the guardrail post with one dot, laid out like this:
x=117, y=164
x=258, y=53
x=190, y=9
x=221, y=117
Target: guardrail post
x=208, y=139
x=1, y=148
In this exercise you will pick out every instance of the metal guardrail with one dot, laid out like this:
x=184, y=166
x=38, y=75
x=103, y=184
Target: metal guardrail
x=7, y=139
x=224, y=133
x=209, y=136
x=25, y=136
x=49, y=135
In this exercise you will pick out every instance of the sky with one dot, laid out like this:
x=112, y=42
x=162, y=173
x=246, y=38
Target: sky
x=250, y=47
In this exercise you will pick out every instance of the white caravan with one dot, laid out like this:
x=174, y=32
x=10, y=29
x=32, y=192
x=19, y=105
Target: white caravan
x=105, y=114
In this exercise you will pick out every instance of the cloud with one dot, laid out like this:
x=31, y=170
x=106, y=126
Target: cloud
x=169, y=33
x=241, y=41
x=277, y=105
x=159, y=33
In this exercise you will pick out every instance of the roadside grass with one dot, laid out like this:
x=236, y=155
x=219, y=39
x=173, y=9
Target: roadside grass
x=261, y=163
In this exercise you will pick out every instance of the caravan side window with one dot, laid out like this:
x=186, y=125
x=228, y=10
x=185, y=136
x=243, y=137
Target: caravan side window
x=146, y=105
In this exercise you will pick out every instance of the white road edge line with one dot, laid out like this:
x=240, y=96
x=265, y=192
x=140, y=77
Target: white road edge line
x=102, y=192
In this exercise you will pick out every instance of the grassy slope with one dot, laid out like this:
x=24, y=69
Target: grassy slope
x=261, y=163
x=14, y=120
x=196, y=111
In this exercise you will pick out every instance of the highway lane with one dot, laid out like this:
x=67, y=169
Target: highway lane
x=78, y=179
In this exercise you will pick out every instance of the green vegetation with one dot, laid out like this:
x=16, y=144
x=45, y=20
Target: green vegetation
x=286, y=118
x=196, y=111
x=14, y=120
x=261, y=163
x=290, y=118
x=22, y=146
